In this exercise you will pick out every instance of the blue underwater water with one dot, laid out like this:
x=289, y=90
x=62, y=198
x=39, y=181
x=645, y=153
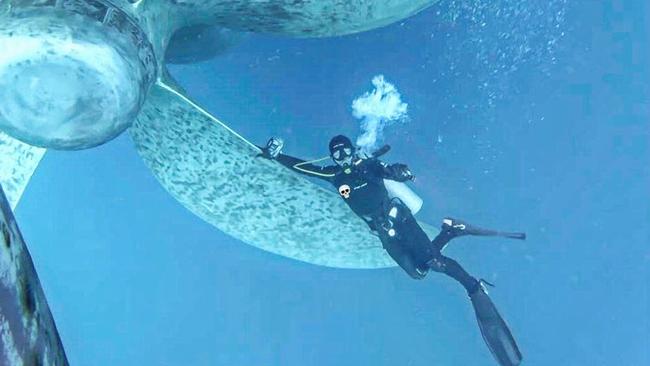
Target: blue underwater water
x=524, y=115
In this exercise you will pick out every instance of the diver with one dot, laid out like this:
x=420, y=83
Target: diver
x=360, y=182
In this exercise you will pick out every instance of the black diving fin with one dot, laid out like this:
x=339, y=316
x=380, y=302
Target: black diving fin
x=503, y=234
x=494, y=329
x=463, y=228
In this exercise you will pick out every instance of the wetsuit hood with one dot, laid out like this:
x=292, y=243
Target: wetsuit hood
x=341, y=150
x=339, y=142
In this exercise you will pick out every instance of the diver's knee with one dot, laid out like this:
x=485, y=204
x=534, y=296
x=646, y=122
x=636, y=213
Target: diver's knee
x=413, y=271
x=437, y=264
x=417, y=273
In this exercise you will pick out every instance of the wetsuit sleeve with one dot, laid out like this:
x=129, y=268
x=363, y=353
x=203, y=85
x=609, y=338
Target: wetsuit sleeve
x=396, y=172
x=307, y=167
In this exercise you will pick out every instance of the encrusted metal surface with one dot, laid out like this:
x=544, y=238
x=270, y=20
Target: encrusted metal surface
x=28, y=335
x=109, y=15
x=17, y=164
x=216, y=175
x=206, y=166
x=305, y=18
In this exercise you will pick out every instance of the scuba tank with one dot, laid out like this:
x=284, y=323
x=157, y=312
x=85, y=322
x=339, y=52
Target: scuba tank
x=400, y=189
x=405, y=194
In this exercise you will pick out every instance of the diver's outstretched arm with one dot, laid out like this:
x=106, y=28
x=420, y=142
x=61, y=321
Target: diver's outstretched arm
x=307, y=167
x=273, y=149
x=397, y=172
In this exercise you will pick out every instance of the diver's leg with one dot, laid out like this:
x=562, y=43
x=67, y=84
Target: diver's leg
x=400, y=240
x=451, y=268
x=452, y=228
x=494, y=329
x=404, y=259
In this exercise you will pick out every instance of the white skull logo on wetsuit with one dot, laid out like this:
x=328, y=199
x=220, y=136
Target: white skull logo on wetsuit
x=344, y=190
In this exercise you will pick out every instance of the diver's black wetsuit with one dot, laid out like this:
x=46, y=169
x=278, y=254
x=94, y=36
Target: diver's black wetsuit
x=361, y=184
x=362, y=187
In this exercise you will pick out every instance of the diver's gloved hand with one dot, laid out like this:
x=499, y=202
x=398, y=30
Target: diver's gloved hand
x=402, y=172
x=273, y=148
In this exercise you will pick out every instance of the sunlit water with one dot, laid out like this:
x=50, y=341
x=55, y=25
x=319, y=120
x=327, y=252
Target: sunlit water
x=523, y=116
